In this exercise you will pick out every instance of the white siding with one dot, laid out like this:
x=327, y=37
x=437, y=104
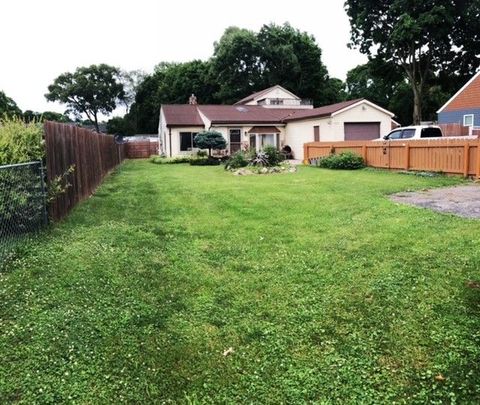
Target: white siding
x=332, y=129
x=300, y=132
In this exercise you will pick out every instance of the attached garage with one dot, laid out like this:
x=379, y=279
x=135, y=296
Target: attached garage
x=355, y=120
x=361, y=131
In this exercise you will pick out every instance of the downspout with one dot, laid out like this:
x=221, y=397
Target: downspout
x=170, y=140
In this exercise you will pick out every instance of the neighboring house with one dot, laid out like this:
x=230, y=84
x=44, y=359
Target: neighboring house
x=464, y=107
x=273, y=116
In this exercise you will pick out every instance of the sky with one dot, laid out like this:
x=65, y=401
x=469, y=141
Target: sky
x=42, y=39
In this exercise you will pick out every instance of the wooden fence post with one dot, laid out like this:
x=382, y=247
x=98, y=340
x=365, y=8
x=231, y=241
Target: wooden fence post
x=478, y=160
x=305, y=154
x=364, y=152
x=466, y=159
x=407, y=156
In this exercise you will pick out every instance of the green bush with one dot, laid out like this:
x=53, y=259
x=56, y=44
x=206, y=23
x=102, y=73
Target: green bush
x=236, y=161
x=20, y=142
x=204, y=161
x=273, y=155
x=160, y=160
x=342, y=161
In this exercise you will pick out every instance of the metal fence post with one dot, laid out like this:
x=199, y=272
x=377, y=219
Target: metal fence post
x=44, y=193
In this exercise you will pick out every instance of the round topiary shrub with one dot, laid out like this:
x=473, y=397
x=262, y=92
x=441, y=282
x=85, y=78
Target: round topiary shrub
x=342, y=161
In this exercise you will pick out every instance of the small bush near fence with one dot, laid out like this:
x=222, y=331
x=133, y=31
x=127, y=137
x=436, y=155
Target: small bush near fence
x=20, y=141
x=342, y=161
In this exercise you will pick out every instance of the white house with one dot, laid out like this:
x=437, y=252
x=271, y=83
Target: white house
x=273, y=116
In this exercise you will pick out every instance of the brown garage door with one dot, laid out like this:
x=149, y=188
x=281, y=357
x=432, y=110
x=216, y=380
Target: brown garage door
x=362, y=131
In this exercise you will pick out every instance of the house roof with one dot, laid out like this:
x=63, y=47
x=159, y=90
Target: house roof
x=467, y=97
x=189, y=115
x=325, y=111
x=182, y=115
x=261, y=92
x=245, y=114
x=264, y=130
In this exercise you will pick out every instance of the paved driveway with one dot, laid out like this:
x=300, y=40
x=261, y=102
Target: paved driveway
x=463, y=201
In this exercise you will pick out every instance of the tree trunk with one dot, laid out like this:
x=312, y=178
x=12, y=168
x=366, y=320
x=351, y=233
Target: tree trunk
x=96, y=122
x=417, y=104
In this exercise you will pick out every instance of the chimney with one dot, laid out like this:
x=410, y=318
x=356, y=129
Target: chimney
x=192, y=100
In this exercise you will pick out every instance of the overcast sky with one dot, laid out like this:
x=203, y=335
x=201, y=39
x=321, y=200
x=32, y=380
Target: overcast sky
x=42, y=39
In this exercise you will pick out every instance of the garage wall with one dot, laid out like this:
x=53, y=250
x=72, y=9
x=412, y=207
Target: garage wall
x=332, y=129
x=300, y=132
x=362, y=113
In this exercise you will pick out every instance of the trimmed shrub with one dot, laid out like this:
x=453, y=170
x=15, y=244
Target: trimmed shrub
x=342, y=161
x=204, y=161
x=20, y=141
x=273, y=155
x=210, y=140
x=159, y=160
x=236, y=161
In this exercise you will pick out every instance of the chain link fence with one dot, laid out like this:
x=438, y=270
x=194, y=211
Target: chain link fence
x=22, y=204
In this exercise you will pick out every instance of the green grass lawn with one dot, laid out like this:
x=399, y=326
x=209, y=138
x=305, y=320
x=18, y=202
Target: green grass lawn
x=325, y=290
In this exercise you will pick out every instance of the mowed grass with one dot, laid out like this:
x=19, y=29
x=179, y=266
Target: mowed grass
x=325, y=290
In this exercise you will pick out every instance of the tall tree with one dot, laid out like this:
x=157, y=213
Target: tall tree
x=236, y=64
x=130, y=80
x=8, y=107
x=89, y=90
x=293, y=59
x=420, y=36
x=245, y=61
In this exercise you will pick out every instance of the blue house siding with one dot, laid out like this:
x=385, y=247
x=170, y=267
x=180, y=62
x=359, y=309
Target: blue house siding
x=456, y=117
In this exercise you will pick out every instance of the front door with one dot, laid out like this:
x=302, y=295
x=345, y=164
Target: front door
x=235, y=140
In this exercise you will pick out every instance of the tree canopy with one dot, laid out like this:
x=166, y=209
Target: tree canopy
x=243, y=62
x=421, y=37
x=89, y=90
x=8, y=107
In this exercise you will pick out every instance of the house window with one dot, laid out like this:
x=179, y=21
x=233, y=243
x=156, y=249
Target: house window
x=187, y=141
x=235, y=140
x=468, y=120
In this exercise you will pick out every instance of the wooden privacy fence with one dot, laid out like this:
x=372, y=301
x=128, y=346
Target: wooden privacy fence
x=141, y=149
x=454, y=130
x=448, y=155
x=93, y=154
